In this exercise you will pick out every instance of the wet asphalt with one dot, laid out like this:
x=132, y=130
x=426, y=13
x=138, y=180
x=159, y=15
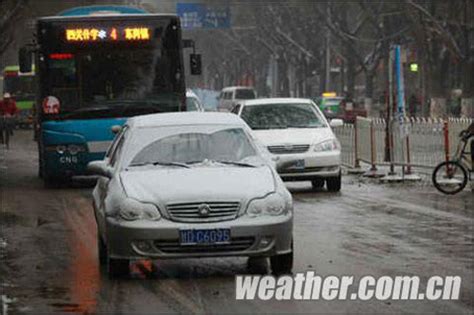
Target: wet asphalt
x=48, y=259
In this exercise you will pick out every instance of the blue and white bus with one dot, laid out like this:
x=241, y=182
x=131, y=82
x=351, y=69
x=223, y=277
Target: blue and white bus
x=97, y=66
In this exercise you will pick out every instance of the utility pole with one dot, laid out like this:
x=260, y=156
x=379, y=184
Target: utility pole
x=388, y=119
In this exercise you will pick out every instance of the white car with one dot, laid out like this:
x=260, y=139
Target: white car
x=299, y=136
x=232, y=95
x=193, y=103
x=184, y=185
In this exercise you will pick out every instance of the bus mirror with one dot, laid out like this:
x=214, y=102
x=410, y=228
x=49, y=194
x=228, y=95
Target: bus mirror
x=196, y=65
x=25, y=60
x=116, y=129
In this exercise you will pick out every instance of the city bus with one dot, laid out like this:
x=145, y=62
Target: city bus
x=22, y=88
x=96, y=66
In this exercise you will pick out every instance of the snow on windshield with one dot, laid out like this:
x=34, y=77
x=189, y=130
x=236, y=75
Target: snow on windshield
x=281, y=116
x=193, y=144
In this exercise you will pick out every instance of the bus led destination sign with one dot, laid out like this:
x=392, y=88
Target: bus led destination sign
x=94, y=34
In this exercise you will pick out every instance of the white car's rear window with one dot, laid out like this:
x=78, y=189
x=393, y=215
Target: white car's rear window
x=282, y=116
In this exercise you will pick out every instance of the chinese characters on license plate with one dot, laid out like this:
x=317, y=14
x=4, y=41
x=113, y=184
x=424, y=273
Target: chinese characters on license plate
x=215, y=236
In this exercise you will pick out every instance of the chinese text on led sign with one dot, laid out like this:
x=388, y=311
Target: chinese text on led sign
x=107, y=34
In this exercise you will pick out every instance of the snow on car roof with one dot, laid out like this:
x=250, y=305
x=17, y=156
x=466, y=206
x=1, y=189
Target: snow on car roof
x=268, y=101
x=186, y=118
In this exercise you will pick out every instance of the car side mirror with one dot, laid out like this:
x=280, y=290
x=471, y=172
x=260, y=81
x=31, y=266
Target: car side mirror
x=25, y=60
x=116, y=129
x=99, y=168
x=336, y=122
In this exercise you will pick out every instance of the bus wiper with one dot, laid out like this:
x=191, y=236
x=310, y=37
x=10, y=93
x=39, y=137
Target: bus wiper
x=160, y=164
x=141, y=109
x=87, y=110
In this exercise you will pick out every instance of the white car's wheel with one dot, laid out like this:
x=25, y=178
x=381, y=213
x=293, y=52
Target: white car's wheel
x=257, y=265
x=282, y=264
x=334, y=183
x=317, y=183
x=118, y=267
x=101, y=250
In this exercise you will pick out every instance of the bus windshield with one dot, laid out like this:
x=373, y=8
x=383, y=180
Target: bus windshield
x=115, y=79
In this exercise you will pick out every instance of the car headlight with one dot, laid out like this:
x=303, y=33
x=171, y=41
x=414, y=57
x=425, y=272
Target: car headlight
x=132, y=210
x=273, y=204
x=328, y=145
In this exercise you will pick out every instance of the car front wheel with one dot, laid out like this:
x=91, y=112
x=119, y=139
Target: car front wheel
x=317, y=183
x=101, y=250
x=282, y=264
x=118, y=267
x=334, y=183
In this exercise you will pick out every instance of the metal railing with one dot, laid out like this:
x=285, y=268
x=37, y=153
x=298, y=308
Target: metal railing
x=423, y=142
x=346, y=136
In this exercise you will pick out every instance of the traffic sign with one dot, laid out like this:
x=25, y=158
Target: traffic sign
x=201, y=16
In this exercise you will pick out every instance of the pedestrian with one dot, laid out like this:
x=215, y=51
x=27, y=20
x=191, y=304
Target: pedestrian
x=8, y=113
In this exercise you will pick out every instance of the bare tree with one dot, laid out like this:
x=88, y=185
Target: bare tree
x=12, y=11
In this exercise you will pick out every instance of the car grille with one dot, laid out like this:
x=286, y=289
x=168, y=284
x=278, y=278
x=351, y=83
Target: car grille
x=173, y=247
x=189, y=212
x=288, y=149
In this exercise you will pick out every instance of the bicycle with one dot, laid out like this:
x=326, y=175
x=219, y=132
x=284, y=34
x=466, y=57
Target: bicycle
x=451, y=177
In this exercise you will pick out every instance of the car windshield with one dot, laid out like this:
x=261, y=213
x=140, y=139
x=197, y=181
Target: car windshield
x=244, y=94
x=282, y=116
x=194, y=145
x=332, y=101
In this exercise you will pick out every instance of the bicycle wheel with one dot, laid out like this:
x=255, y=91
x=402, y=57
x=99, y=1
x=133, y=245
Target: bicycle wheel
x=450, y=177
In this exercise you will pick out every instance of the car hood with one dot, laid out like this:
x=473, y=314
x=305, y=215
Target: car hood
x=197, y=184
x=293, y=136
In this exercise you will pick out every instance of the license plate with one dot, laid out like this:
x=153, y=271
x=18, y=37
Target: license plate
x=298, y=165
x=215, y=236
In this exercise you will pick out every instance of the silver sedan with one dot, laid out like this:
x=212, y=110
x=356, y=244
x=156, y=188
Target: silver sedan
x=190, y=185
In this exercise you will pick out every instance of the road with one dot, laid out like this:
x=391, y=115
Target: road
x=48, y=260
